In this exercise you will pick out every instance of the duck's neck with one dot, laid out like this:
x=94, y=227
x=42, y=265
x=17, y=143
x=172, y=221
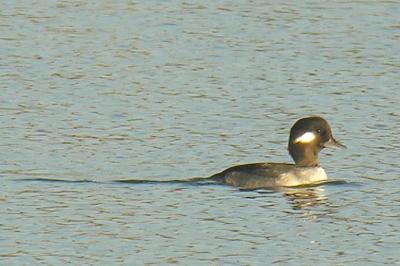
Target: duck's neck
x=304, y=155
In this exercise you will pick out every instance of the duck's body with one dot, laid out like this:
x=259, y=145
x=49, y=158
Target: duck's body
x=307, y=137
x=257, y=175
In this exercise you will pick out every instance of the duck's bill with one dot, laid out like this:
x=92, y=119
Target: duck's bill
x=333, y=143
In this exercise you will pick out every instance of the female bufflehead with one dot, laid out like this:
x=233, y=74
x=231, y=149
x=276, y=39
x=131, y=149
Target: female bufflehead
x=308, y=137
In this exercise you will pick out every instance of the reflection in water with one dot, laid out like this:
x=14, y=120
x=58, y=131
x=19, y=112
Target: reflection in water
x=303, y=197
x=310, y=201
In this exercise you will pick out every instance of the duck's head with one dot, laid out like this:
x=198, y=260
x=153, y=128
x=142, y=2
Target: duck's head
x=308, y=136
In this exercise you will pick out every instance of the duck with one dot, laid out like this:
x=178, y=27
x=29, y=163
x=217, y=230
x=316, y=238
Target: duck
x=308, y=136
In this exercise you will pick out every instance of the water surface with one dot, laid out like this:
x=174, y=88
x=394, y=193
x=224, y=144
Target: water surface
x=94, y=92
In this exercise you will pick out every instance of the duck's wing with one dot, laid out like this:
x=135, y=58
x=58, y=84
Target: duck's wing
x=256, y=175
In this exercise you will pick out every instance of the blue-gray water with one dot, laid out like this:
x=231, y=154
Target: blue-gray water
x=100, y=91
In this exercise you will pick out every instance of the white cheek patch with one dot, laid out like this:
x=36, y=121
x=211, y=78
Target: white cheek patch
x=305, y=138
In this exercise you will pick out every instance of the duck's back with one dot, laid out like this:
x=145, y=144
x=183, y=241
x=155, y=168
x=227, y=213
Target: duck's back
x=262, y=175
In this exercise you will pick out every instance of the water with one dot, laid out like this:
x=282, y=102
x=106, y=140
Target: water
x=98, y=91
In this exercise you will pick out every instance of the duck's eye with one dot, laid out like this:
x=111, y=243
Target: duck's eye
x=321, y=132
